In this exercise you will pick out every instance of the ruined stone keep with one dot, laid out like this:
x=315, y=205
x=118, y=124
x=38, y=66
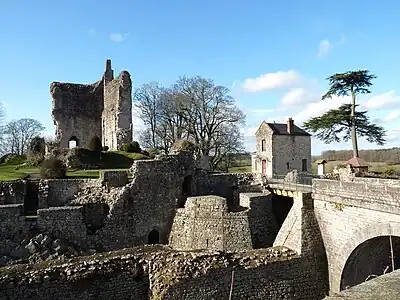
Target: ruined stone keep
x=281, y=148
x=83, y=111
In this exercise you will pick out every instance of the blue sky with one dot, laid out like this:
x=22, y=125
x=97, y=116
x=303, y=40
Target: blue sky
x=274, y=55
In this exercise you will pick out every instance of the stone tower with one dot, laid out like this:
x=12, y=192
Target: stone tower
x=103, y=109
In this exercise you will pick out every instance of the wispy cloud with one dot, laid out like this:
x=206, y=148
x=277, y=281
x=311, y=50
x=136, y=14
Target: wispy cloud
x=118, y=37
x=270, y=81
x=324, y=48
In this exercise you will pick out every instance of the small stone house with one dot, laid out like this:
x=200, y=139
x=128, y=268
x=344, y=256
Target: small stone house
x=281, y=148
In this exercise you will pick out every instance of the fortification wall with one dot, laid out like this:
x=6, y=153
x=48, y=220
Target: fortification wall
x=117, y=113
x=262, y=222
x=142, y=273
x=223, y=185
x=12, y=192
x=57, y=192
x=360, y=193
x=13, y=227
x=77, y=111
x=206, y=223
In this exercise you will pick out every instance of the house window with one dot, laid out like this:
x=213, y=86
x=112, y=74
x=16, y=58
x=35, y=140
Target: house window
x=263, y=145
x=288, y=165
x=304, y=165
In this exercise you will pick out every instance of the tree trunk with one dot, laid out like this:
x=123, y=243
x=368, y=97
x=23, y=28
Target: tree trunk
x=353, y=125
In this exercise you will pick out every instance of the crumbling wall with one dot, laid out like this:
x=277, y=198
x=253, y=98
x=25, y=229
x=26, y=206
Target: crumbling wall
x=206, y=223
x=154, y=192
x=77, y=111
x=113, y=178
x=223, y=185
x=141, y=273
x=12, y=192
x=57, y=192
x=13, y=227
x=117, y=113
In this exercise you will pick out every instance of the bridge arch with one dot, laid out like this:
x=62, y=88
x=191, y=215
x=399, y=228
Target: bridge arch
x=370, y=259
x=353, y=256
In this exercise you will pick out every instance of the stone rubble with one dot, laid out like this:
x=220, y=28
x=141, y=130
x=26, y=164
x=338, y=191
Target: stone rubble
x=42, y=248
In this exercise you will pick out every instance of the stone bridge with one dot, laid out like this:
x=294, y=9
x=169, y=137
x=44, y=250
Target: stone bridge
x=357, y=224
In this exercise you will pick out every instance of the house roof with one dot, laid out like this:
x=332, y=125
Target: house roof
x=320, y=161
x=357, y=162
x=281, y=129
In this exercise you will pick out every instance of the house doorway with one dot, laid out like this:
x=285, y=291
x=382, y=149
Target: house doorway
x=264, y=166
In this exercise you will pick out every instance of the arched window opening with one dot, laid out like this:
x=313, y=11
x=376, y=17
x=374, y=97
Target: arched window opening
x=73, y=142
x=154, y=237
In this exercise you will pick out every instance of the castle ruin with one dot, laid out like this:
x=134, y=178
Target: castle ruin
x=103, y=109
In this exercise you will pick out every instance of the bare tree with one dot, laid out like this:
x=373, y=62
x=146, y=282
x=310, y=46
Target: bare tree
x=147, y=102
x=18, y=134
x=196, y=109
x=211, y=117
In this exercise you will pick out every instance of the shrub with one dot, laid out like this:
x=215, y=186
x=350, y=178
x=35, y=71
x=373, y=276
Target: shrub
x=133, y=147
x=53, y=168
x=95, y=144
x=37, y=145
x=152, y=152
x=183, y=146
x=136, y=147
x=105, y=148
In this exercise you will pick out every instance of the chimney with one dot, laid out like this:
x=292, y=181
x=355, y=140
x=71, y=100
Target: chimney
x=109, y=73
x=290, y=125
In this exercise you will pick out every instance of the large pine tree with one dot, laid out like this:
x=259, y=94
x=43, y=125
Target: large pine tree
x=345, y=122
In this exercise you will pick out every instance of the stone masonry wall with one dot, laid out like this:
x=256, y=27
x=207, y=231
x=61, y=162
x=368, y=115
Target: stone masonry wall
x=13, y=226
x=223, y=185
x=117, y=114
x=142, y=273
x=264, y=133
x=360, y=193
x=350, y=214
x=262, y=222
x=57, y=192
x=205, y=223
x=77, y=111
x=12, y=192
x=290, y=149
x=384, y=287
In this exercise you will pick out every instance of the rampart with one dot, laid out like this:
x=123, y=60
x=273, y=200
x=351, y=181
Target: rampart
x=109, y=213
x=366, y=193
x=142, y=273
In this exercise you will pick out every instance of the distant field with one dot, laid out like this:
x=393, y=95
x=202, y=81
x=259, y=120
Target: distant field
x=373, y=167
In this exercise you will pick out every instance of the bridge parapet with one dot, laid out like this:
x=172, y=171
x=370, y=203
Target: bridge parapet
x=371, y=194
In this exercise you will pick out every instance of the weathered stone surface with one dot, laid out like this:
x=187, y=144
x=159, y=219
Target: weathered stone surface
x=102, y=109
x=384, y=287
x=159, y=273
x=282, y=153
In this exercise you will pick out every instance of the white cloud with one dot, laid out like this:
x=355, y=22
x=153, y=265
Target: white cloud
x=118, y=37
x=324, y=48
x=394, y=115
x=269, y=81
x=385, y=100
x=298, y=96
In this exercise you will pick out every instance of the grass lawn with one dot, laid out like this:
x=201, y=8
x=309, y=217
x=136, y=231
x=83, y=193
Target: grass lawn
x=115, y=160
